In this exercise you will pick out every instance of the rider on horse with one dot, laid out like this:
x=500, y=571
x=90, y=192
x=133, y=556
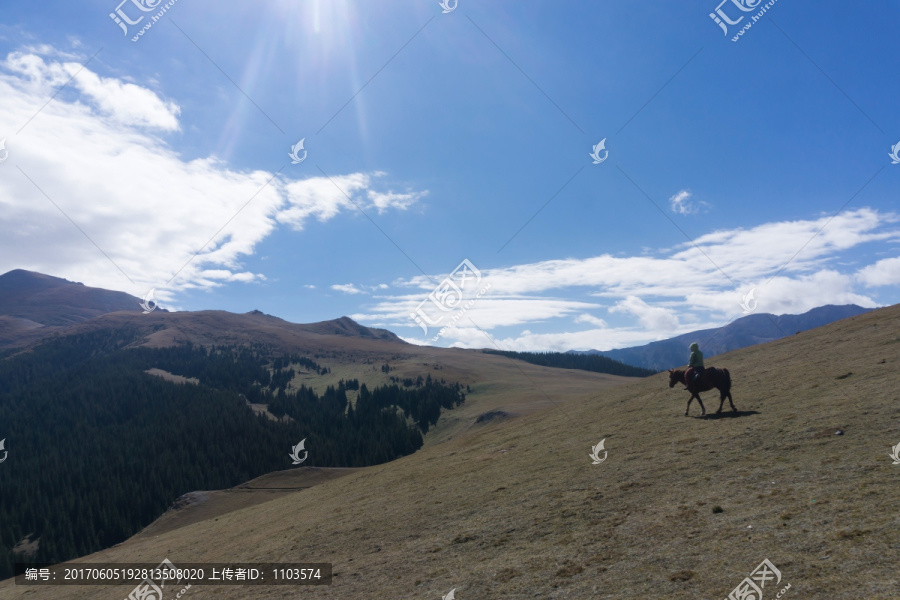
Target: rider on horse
x=696, y=363
x=719, y=379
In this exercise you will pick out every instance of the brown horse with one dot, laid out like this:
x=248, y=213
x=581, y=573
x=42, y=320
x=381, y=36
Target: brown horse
x=711, y=378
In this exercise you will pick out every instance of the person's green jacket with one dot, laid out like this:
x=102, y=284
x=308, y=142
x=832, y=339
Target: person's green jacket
x=696, y=356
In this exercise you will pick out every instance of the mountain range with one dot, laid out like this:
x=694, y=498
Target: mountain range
x=53, y=301
x=34, y=305
x=740, y=333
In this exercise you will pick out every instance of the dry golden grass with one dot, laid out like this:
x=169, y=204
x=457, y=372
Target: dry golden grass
x=204, y=505
x=513, y=508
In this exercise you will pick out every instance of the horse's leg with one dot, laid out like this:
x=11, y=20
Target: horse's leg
x=702, y=408
x=691, y=399
x=721, y=401
x=731, y=402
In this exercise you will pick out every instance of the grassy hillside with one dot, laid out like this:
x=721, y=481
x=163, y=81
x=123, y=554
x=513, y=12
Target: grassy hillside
x=682, y=507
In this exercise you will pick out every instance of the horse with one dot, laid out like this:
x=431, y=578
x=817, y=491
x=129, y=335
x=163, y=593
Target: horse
x=711, y=378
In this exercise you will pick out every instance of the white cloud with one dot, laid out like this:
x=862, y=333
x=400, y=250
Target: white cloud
x=95, y=151
x=384, y=201
x=684, y=204
x=883, y=272
x=654, y=318
x=321, y=198
x=558, y=341
x=487, y=312
x=692, y=286
x=324, y=197
x=590, y=319
x=352, y=288
x=724, y=259
x=347, y=288
x=127, y=103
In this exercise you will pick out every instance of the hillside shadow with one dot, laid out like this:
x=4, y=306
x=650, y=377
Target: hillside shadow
x=727, y=414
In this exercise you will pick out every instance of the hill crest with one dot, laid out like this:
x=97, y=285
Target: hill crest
x=34, y=305
x=53, y=301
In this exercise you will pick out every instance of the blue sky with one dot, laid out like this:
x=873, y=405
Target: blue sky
x=432, y=138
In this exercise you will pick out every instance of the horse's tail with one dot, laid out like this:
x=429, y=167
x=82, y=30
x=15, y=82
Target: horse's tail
x=727, y=380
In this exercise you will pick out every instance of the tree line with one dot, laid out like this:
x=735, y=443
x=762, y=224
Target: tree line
x=584, y=362
x=99, y=449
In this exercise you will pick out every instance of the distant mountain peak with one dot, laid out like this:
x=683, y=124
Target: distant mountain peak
x=749, y=330
x=33, y=279
x=50, y=300
x=348, y=327
x=29, y=300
